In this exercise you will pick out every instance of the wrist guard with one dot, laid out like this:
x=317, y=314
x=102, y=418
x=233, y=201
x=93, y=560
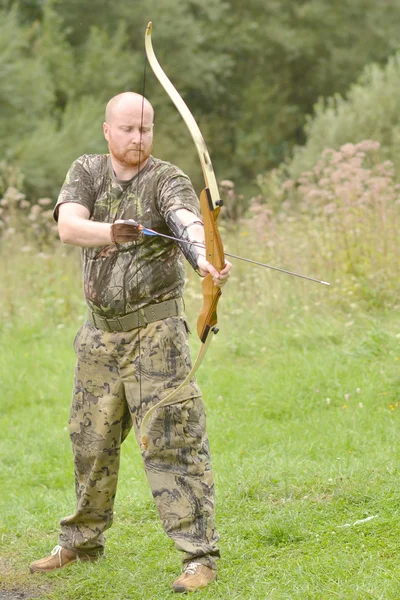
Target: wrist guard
x=187, y=246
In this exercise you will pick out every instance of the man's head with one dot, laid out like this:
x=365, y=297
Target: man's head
x=128, y=128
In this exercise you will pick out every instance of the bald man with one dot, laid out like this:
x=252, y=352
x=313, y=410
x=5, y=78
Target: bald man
x=133, y=349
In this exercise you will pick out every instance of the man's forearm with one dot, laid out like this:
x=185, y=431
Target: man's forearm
x=83, y=232
x=187, y=227
x=194, y=228
x=195, y=233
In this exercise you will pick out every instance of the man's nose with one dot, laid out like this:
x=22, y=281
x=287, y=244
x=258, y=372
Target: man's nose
x=136, y=136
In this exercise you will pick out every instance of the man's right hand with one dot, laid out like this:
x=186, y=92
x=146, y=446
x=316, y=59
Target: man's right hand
x=123, y=232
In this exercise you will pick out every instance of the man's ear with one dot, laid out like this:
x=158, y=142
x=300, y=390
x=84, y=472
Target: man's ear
x=106, y=131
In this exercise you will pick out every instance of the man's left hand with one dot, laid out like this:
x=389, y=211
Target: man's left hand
x=219, y=277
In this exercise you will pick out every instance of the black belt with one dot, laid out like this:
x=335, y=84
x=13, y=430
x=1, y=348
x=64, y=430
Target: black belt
x=140, y=318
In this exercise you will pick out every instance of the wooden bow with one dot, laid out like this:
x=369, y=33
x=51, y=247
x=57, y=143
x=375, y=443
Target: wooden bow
x=210, y=204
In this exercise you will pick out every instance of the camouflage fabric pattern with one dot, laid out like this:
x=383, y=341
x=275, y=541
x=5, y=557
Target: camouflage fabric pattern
x=150, y=270
x=118, y=377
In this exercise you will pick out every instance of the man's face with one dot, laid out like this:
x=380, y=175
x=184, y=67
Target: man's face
x=129, y=133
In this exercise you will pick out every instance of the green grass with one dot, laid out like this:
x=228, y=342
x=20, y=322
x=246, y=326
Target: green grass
x=302, y=390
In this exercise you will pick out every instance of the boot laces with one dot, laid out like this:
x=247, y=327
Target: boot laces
x=55, y=551
x=192, y=568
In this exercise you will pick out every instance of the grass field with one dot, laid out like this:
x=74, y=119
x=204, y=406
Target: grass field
x=302, y=390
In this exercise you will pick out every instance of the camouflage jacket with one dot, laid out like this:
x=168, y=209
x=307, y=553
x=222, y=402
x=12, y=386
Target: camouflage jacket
x=141, y=273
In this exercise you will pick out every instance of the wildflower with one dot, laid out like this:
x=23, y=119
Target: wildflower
x=226, y=183
x=356, y=161
x=368, y=146
x=337, y=176
x=324, y=181
x=288, y=185
x=35, y=210
x=348, y=149
x=13, y=195
x=327, y=153
x=337, y=157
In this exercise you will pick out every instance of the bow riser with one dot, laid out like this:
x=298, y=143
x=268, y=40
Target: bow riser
x=208, y=314
x=214, y=254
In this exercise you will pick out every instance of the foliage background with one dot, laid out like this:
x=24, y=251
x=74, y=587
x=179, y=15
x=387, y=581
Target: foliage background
x=250, y=72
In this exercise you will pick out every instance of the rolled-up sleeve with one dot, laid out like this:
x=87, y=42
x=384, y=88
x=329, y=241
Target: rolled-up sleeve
x=77, y=187
x=175, y=191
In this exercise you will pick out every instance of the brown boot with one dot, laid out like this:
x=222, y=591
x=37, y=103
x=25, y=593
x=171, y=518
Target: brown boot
x=60, y=557
x=195, y=576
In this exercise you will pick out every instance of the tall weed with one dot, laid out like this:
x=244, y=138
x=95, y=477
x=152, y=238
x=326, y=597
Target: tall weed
x=340, y=219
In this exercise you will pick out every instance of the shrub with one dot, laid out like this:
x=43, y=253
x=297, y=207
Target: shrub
x=369, y=111
x=31, y=223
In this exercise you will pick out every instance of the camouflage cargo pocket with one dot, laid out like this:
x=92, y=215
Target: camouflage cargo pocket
x=180, y=425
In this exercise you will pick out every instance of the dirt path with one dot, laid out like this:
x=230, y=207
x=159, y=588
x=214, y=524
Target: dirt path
x=14, y=595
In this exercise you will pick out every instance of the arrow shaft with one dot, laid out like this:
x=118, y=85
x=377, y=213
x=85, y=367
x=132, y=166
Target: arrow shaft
x=147, y=231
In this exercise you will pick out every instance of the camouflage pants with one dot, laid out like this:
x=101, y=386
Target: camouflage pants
x=118, y=377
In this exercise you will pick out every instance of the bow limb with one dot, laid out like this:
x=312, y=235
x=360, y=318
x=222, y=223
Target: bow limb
x=187, y=116
x=210, y=204
x=169, y=399
x=210, y=201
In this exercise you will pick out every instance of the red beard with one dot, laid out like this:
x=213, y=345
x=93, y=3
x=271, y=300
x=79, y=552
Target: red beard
x=130, y=157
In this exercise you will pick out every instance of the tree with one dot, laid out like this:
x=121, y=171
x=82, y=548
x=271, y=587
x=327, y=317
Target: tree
x=250, y=72
x=286, y=55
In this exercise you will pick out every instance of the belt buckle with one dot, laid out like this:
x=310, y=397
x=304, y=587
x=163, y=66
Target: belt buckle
x=100, y=322
x=113, y=324
x=105, y=324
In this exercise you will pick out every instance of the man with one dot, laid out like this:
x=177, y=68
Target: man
x=133, y=349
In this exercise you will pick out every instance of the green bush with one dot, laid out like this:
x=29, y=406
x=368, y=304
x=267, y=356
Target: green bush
x=369, y=111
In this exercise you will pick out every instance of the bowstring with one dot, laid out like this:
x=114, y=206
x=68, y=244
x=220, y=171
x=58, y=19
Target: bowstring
x=137, y=243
